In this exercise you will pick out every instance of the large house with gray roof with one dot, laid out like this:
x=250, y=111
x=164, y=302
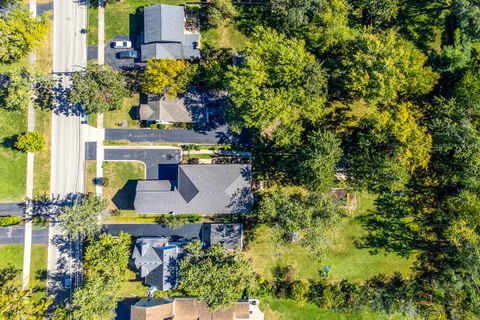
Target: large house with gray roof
x=165, y=36
x=206, y=188
x=156, y=260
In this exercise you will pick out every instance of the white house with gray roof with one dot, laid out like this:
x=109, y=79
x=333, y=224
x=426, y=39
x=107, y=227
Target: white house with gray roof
x=206, y=188
x=164, y=35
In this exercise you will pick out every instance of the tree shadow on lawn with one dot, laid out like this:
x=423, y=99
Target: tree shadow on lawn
x=9, y=142
x=125, y=197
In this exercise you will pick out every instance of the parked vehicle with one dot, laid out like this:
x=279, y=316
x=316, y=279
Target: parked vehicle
x=122, y=44
x=128, y=55
x=67, y=283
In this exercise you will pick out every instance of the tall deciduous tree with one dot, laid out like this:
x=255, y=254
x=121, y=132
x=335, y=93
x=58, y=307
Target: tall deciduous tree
x=16, y=303
x=277, y=87
x=220, y=12
x=83, y=218
x=20, y=32
x=214, y=274
x=167, y=76
x=98, y=89
x=311, y=216
x=382, y=67
x=317, y=160
x=15, y=90
x=378, y=12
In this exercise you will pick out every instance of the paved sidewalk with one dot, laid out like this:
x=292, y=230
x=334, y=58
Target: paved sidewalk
x=27, y=253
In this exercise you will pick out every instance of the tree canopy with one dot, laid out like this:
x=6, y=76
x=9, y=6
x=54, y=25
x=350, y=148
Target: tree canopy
x=20, y=32
x=220, y=12
x=98, y=89
x=83, y=218
x=383, y=67
x=215, y=274
x=167, y=76
x=277, y=87
x=30, y=142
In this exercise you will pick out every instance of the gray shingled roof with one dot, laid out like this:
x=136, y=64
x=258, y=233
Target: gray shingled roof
x=219, y=188
x=156, y=261
x=185, y=109
x=164, y=34
x=163, y=23
x=229, y=235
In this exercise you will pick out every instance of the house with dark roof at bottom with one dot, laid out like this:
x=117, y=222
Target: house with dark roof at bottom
x=206, y=188
x=165, y=36
x=156, y=260
x=193, y=309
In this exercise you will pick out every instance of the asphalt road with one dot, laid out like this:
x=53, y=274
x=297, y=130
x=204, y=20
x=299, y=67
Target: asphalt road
x=159, y=163
x=12, y=209
x=187, y=232
x=15, y=235
x=69, y=55
x=219, y=135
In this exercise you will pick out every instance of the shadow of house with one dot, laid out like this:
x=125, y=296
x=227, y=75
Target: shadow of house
x=125, y=197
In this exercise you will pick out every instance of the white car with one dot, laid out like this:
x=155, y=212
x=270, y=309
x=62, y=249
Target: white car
x=122, y=44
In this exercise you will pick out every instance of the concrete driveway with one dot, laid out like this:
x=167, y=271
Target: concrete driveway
x=160, y=163
x=16, y=235
x=220, y=135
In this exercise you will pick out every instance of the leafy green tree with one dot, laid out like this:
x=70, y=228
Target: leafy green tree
x=30, y=142
x=94, y=300
x=277, y=88
x=300, y=290
x=467, y=91
x=20, y=32
x=317, y=160
x=389, y=147
x=107, y=258
x=7, y=3
x=215, y=274
x=378, y=12
x=322, y=24
x=15, y=90
x=383, y=67
x=167, y=76
x=220, y=12
x=311, y=216
x=83, y=218
x=16, y=303
x=98, y=89
x=467, y=12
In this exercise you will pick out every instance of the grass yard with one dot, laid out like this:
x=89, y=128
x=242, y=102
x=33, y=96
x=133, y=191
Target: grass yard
x=41, y=177
x=345, y=259
x=122, y=176
x=12, y=254
x=90, y=173
x=44, y=58
x=279, y=309
x=113, y=119
x=92, y=35
x=134, y=287
x=12, y=163
x=225, y=37
x=120, y=17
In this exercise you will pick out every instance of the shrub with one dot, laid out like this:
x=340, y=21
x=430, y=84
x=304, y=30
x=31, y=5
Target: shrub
x=300, y=290
x=178, y=220
x=6, y=221
x=30, y=142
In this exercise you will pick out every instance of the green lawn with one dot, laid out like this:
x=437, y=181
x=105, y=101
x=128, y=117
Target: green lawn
x=12, y=163
x=113, y=119
x=279, y=309
x=120, y=17
x=12, y=254
x=41, y=177
x=345, y=259
x=225, y=37
x=122, y=177
x=92, y=35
